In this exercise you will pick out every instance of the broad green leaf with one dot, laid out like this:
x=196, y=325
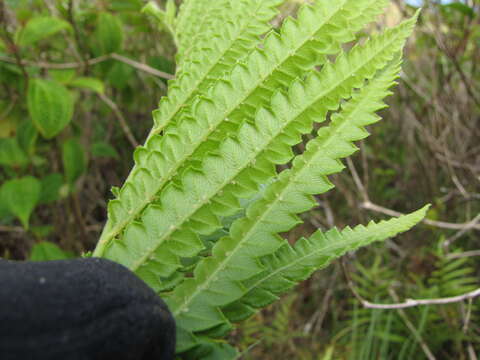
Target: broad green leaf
x=50, y=106
x=45, y=251
x=109, y=33
x=40, y=28
x=27, y=136
x=51, y=185
x=119, y=75
x=102, y=149
x=21, y=196
x=62, y=75
x=4, y=210
x=74, y=160
x=89, y=83
x=212, y=351
x=11, y=154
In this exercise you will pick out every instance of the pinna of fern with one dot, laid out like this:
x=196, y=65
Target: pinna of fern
x=218, y=137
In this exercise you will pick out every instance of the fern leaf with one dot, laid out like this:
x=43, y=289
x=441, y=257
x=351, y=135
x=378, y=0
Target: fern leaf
x=188, y=21
x=236, y=257
x=290, y=265
x=235, y=33
x=350, y=17
x=172, y=227
x=198, y=17
x=164, y=156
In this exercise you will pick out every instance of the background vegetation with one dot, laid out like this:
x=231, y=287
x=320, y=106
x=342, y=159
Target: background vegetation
x=102, y=66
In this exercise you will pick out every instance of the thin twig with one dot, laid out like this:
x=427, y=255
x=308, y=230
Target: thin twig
x=368, y=304
x=408, y=303
x=16, y=229
x=460, y=233
x=412, y=328
x=463, y=254
x=356, y=179
x=73, y=65
x=121, y=119
x=367, y=204
x=141, y=66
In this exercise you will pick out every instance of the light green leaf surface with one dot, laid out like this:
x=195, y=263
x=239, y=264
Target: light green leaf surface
x=74, y=160
x=39, y=28
x=11, y=154
x=50, y=106
x=46, y=251
x=21, y=196
x=89, y=83
x=109, y=33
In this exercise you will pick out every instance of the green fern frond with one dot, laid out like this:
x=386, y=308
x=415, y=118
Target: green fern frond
x=195, y=18
x=243, y=163
x=290, y=265
x=348, y=16
x=189, y=21
x=233, y=28
x=452, y=277
x=255, y=235
x=238, y=105
x=163, y=156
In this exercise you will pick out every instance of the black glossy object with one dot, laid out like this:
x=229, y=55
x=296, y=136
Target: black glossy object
x=82, y=309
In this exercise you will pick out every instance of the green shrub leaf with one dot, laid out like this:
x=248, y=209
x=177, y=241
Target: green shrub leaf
x=50, y=106
x=45, y=251
x=51, y=185
x=109, y=33
x=11, y=154
x=102, y=149
x=40, y=28
x=27, y=136
x=89, y=83
x=21, y=196
x=74, y=160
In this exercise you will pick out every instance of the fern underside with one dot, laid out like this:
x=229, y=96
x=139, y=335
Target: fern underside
x=239, y=103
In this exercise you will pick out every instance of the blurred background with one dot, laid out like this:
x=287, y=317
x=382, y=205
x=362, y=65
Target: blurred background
x=101, y=66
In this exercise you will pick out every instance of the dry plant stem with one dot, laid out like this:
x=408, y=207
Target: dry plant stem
x=411, y=327
x=398, y=306
x=409, y=302
x=73, y=65
x=367, y=204
x=16, y=229
x=460, y=233
x=121, y=119
x=463, y=254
